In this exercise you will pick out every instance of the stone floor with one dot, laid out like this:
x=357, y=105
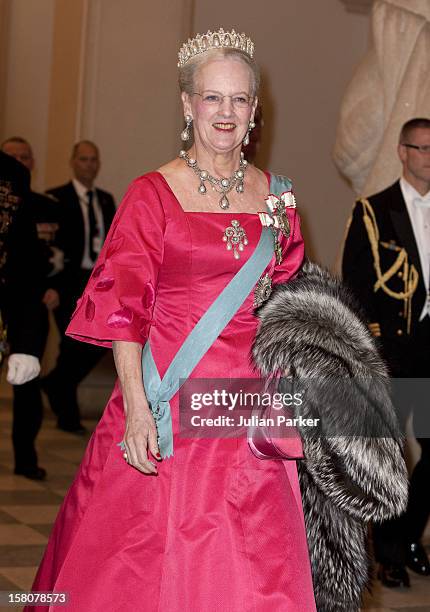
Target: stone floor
x=27, y=510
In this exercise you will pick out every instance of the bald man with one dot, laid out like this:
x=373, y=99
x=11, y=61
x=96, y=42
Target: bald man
x=87, y=214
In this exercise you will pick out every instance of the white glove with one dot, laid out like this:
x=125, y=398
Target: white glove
x=22, y=368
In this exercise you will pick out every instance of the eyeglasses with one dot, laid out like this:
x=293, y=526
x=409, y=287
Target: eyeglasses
x=215, y=98
x=420, y=148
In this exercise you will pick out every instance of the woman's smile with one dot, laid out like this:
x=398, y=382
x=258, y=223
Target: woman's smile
x=224, y=127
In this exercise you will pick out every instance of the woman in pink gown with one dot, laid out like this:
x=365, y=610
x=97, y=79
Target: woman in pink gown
x=211, y=527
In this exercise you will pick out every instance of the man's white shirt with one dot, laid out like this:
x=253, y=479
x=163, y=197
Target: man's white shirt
x=418, y=208
x=82, y=191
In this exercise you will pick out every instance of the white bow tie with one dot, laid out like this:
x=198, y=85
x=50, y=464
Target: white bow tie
x=422, y=202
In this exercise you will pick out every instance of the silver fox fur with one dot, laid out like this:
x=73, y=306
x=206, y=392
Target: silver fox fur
x=310, y=329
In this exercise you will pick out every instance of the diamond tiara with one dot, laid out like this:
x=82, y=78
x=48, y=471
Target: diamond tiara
x=214, y=40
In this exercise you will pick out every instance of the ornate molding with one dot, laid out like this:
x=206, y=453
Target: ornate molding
x=358, y=6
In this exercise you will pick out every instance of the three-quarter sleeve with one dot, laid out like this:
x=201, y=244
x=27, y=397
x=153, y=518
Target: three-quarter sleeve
x=118, y=301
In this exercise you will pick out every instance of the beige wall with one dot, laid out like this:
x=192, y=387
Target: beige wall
x=106, y=70
x=65, y=73
x=129, y=99
x=4, y=48
x=307, y=50
x=27, y=75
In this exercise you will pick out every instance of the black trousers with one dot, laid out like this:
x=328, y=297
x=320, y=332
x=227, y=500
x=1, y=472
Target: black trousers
x=28, y=414
x=390, y=538
x=75, y=360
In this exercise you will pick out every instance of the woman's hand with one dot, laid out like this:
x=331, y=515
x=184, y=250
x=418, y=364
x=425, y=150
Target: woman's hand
x=141, y=437
x=140, y=430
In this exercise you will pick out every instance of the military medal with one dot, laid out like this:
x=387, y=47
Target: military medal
x=263, y=290
x=277, y=220
x=277, y=249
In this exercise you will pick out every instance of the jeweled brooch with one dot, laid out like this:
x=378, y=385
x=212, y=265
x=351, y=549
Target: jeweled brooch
x=236, y=238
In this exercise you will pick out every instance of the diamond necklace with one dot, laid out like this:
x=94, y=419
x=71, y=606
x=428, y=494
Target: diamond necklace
x=222, y=185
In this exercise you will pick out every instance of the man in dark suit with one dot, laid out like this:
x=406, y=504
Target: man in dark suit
x=27, y=401
x=86, y=215
x=20, y=290
x=386, y=262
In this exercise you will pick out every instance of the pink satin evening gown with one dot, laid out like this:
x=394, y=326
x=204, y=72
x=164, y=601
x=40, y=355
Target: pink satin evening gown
x=217, y=529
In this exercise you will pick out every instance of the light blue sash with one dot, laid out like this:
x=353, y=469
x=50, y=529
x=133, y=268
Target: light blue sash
x=205, y=332
x=279, y=184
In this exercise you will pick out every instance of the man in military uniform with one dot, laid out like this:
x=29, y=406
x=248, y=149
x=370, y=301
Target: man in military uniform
x=20, y=294
x=386, y=262
x=27, y=403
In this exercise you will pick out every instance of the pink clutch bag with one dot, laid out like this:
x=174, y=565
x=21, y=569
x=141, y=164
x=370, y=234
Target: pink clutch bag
x=269, y=440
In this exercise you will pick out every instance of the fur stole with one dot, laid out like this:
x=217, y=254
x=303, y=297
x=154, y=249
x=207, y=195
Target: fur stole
x=353, y=471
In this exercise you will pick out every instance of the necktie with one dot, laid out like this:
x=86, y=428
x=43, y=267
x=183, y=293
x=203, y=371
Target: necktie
x=93, y=225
